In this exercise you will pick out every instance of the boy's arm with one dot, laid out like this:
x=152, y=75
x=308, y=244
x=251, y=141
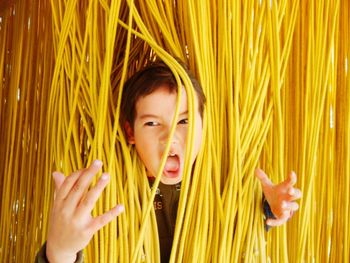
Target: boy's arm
x=279, y=204
x=41, y=256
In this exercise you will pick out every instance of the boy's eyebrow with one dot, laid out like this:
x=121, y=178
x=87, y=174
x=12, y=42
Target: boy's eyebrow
x=144, y=116
x=147, y=115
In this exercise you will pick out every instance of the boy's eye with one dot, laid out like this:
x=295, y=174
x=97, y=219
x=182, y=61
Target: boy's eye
x=151, y=123
x=183, y=121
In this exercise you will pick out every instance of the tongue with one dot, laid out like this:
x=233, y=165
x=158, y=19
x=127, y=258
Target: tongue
x=172, y=164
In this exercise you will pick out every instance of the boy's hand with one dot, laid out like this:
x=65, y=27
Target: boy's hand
x=281, y=197
x=71, y=225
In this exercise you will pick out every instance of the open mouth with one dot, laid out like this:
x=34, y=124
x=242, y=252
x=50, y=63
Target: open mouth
x=172, y=166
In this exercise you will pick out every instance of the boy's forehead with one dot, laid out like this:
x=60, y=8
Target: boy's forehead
x=161, y=100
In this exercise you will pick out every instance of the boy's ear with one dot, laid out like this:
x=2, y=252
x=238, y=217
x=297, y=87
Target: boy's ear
x=129, y=133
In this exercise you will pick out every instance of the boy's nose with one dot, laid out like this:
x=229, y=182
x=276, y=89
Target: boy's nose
x=165, y=137
x=174, y=141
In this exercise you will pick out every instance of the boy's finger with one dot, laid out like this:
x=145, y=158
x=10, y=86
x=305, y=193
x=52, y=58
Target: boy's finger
x=69, y=181
x=58, y=178
x=294, y=194
x=291, y=180
x=290, y=206
x=91, y=197
x=81, y=185
x=263, y=178
x=279, y=221
x=276, y=222
x=107, y=217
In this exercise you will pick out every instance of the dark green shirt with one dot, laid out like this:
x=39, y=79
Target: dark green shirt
x=166, y=202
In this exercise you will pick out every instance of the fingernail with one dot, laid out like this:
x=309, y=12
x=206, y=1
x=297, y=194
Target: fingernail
x=105, y=176
x=291, y=191
x=120, y=209
x=97, y=163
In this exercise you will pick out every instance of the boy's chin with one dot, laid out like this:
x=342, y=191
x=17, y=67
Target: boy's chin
x=171, y=180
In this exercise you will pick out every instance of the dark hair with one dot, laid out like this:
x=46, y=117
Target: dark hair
x=146, y=81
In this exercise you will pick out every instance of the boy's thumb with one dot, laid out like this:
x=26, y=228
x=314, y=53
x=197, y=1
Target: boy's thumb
x=263, y=178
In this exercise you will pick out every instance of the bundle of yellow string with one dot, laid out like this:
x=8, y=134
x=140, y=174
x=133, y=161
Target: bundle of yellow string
x=276, y=78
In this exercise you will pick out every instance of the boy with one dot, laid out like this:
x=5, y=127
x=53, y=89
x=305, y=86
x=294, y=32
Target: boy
x=147, y=111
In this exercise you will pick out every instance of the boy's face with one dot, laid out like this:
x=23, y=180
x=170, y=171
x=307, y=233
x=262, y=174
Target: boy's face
x=154, y=116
